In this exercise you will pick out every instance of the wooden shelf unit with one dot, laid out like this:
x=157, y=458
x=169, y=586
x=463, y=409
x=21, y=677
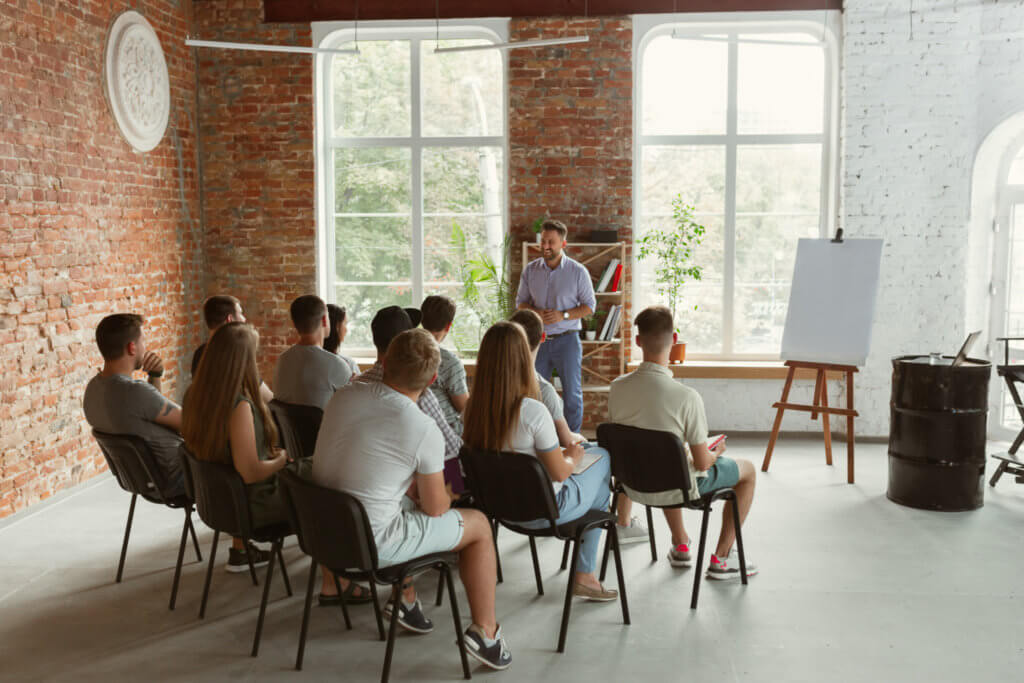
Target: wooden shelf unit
x=592, y=253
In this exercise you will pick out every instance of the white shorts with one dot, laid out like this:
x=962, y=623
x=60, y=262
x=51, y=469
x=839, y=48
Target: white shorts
x=421, y=535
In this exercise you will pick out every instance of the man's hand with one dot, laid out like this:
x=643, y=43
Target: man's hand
x=574, y=453
x=152, y=362
x=578, y=438
x=550, y=316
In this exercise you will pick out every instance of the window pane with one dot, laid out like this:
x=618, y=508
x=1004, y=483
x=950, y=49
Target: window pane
x=373, y=249
x=373, y=180
x=467, y=328
x=444, y=254
x=780, y=88
x=361, y=303
x=684, y=85
x=372, y=90
x=1016, y=174
x=698, y=172
x=463, y=92
x=765, y=255
x=463, y=180
x=778, y=178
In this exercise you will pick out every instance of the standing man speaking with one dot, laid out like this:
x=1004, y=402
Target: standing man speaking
x=560, y=291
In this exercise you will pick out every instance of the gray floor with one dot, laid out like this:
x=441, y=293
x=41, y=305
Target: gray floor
x=852, y=588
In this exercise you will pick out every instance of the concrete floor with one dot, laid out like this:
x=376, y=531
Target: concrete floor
x=852, y=588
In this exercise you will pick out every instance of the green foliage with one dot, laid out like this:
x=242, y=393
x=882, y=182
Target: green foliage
x=537, y=224
x=486, y=289
x=596, y=321
x=673, y=249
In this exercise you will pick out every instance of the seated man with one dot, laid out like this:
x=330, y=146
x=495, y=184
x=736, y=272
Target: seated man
x=387, y=324
x=376, y=445
x=117, y=404
x=450, y=388
x=218, y=310
x=307, y=374
x=630, y=530
x=651, y=398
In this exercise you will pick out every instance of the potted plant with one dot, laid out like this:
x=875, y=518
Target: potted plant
x=486, y=288
x=673, y=250
x=536, y=227
x=593, y=325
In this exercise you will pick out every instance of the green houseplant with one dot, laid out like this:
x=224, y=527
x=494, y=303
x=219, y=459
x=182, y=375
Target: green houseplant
x=594, y=324
x=673, y=249
x=486, y=289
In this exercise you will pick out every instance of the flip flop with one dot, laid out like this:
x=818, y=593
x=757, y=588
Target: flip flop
x=350, y=597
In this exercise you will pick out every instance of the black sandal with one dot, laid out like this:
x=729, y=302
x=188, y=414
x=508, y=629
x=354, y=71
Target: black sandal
x=350, y=596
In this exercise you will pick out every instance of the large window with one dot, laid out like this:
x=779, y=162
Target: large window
x=1008, y=283
x=412, y=144
x=737, y=118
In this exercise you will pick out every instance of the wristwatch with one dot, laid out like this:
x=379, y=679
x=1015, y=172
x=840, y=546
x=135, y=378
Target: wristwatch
x=565, y=315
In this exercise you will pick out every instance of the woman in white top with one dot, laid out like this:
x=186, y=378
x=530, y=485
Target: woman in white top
x=338, y=319
x=504, y=414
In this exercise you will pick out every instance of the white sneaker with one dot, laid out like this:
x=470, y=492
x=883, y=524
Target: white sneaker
x=728, y=568
x=634, y=533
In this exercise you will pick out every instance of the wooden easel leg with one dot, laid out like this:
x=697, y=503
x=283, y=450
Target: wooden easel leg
x=817, y=393
x=778, y=421
x=849, y=428
x=824, y=417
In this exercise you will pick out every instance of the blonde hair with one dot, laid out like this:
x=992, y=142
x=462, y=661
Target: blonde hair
x=504, y=377
x=226, y=371
x=412, y=360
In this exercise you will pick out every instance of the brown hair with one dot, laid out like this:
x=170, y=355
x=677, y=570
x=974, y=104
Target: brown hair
x=557, y=226
x=654, y=326
x=217, y=308
x=307, y=312
x=504, y=377
x=115, y=332
x=412, y=360
x=227, y=370
x=532, y=325
x=438, y=313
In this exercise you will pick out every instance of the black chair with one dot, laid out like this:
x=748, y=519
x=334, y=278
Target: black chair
x=513, y=488
x=137, y=472
x=298, y=425
x=1013, y=375
x=651, y=461
x=333, y=530
x=617, y=490
x=222, y=502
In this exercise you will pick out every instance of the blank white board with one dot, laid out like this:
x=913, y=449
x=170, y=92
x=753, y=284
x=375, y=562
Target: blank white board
x=832, y=301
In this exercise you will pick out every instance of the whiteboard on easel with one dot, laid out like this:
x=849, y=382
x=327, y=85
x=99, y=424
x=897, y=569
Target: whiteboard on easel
x=832, y=301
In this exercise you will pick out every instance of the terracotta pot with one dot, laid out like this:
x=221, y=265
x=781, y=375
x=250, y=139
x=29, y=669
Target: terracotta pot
x=677, y=354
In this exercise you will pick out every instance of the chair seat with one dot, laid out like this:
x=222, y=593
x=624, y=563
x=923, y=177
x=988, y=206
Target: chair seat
x=272, y=532
x=568, y=530
x=392, y=573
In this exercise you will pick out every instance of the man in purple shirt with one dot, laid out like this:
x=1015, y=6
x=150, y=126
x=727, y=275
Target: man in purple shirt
x=561, y=292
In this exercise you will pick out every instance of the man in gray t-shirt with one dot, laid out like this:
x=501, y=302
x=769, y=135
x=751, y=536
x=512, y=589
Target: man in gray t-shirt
x=307, y=374
x=450, y=386
x=117, y=404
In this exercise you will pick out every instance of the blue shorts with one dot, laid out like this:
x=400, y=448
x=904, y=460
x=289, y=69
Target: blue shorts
x=422, y=534
x=725, y=473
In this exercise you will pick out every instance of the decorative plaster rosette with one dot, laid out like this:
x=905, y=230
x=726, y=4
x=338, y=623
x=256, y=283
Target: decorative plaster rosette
x=137, y=86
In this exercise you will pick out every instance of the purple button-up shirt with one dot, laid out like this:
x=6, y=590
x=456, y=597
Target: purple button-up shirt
x=566, y=286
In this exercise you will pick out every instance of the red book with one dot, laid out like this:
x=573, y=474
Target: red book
x=616, y=277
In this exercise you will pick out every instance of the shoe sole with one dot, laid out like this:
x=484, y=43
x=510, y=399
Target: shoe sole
x=626, y=540
x=239, y=568
x=680, y=563
x=480, y=658
x=407, y=627
x=595, y=598
x=731, y=576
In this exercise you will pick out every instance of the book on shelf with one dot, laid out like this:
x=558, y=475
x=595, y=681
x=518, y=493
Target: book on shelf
x=616, y=278
x=606, y=276
x=607, y=323
x=615, y=323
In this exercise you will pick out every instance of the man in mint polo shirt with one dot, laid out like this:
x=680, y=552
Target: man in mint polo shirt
x=560, y=291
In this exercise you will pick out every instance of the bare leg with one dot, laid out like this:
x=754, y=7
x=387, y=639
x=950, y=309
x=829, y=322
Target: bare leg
x=623, y=508
x=744, y=497
x=674, y=517
x=478, y=569
x=237, y=543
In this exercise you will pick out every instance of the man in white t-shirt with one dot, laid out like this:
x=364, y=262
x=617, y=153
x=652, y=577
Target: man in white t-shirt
x=377, y=445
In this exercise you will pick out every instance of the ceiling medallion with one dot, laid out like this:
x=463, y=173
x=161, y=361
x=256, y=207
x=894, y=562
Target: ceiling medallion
x=136, y=82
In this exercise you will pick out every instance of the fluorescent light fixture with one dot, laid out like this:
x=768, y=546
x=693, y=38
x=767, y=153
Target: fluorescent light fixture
x=271, y=48
x=515, y=46
x=760, y=41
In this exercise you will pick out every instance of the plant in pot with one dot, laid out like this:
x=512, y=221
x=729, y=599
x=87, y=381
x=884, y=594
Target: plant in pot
x=486, y=288
x=536, y=227
x=673, y=250
x=593, y=325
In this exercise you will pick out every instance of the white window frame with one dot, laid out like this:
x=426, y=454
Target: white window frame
x=333, y=34
x=825, y=26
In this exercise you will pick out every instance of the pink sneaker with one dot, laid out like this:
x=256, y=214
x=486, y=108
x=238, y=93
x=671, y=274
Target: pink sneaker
x=725, y=569
x=680, y=556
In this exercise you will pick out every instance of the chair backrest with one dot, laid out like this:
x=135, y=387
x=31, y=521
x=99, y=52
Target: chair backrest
x=332, y=526
x=298, y=425
x=219, y=492
x=132, y=464
x=646, y=460
x=511, y=487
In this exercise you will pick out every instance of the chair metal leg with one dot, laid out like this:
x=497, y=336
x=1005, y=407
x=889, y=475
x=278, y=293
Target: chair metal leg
x=497, y=555
x=192, y=531
x=177, y=567
x=248, y=556
x=536, y=566
x=567, y=609
x=739, y=538
x=127, y=533
x=390, y=649
x=565, y=556
x=209, y=575
x=998, y=473
x=376, y=609
x=604, y=557
x=650, y=534
x=284, y=569
x=305, y=615
x=344, y=603
x=700, y=555
x=618, y=573
x=266, y=594
x=446, y=576
x=440, y=591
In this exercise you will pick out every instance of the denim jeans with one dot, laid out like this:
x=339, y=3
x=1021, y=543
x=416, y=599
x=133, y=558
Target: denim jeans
x=565, y=354
x=580, y=494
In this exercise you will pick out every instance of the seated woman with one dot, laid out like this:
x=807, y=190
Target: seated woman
x=337, y=319
x=504, y=413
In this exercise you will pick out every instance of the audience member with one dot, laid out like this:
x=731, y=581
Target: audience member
x=650, y=398
x=219, y=310
x=505, y=414
x=376, y=445
x=450, y=388
x=117, y=404
x=307, y=374
x=338, y=322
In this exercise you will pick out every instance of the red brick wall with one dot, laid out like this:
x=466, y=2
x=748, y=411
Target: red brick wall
x=256, y=123
x=88, y=227
x=571, y=141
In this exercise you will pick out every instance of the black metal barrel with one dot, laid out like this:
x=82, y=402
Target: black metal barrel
x=937, y=432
